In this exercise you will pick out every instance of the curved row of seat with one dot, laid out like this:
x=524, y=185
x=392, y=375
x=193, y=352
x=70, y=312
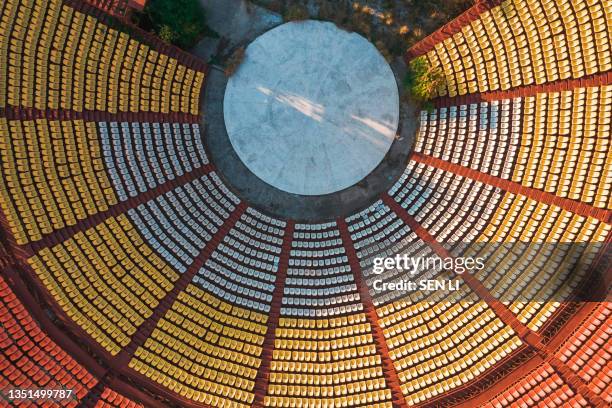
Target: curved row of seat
x=30, y=360
x=244, y=267
x=525, y=42
x=544, y=273
x=53, y=175
x=555, y=142
x=205, y=349
x=179, y=223
x=327, y=361
x=541, y=387
x=587, y=350
x=440, y=344
x=540, y=276
x=484, y=136
x=320, y=282
x=208, y=343
x=106, y=279
x=58, y=58
x=141, y=156
x=112, y=399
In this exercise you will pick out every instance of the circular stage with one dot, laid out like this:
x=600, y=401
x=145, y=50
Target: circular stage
x=312, y=109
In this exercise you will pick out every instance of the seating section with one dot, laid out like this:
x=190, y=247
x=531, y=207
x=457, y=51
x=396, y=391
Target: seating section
x=52, y=176
x=565, y=146
x=178, y=224
x=141, y=156
x=526, y=42
x=430, y=334
x=587, y=351
x=319, y=281
x=112, y=399
x=440, y=345
x=107, y=279
x=95, y=122
x=205, y=349
x=377, y=232
x=453, y=209
x=55, y=57
x=542, y=387
x=556, y=142
x=545, y=255
x=326, y=362
x=484, y=137
x=242, y=270
x=536, y=277
x=30, y=360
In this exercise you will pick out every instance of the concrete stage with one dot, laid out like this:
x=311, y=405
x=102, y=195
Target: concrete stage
x=313, y=109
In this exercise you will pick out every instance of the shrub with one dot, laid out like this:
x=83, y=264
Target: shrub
x=423, y=80
x=181, y=22
x=234, y=61
x=166, y=34
x=296, y=12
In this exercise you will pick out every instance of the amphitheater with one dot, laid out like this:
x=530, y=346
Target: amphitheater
x=137, y=274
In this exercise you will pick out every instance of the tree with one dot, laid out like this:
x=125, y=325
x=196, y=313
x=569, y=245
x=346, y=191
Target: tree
x=423, y=81
x=181, y=22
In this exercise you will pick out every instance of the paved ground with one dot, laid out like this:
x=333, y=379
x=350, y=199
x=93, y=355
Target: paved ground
x=238, y=21
x=300, y=208
x=313, y=109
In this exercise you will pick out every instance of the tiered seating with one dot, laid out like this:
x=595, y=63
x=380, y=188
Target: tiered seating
x=205, y=349
x=30, y=360
x=326, y=362
x=59, y=58
x=207, y=346
x=539, y=275
x=452, y=208
x=437, y=346
x=542, y=275
x=540, y=388
x=566, y=143
x=556, y=142
x=377, y=232
x=319, y=281
x=525, y=42
x=140, y=156
x=484, y=137
x=426, y=332
x=179, y=223
x=52, y=176
x=112, y=399
x=106, y=279
x=242, y=270
x=587, y=351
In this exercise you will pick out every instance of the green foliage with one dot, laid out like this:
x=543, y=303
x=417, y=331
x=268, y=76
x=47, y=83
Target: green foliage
x=181, y=22
x=296, y=12
x=423, y=80
x=166, y=34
